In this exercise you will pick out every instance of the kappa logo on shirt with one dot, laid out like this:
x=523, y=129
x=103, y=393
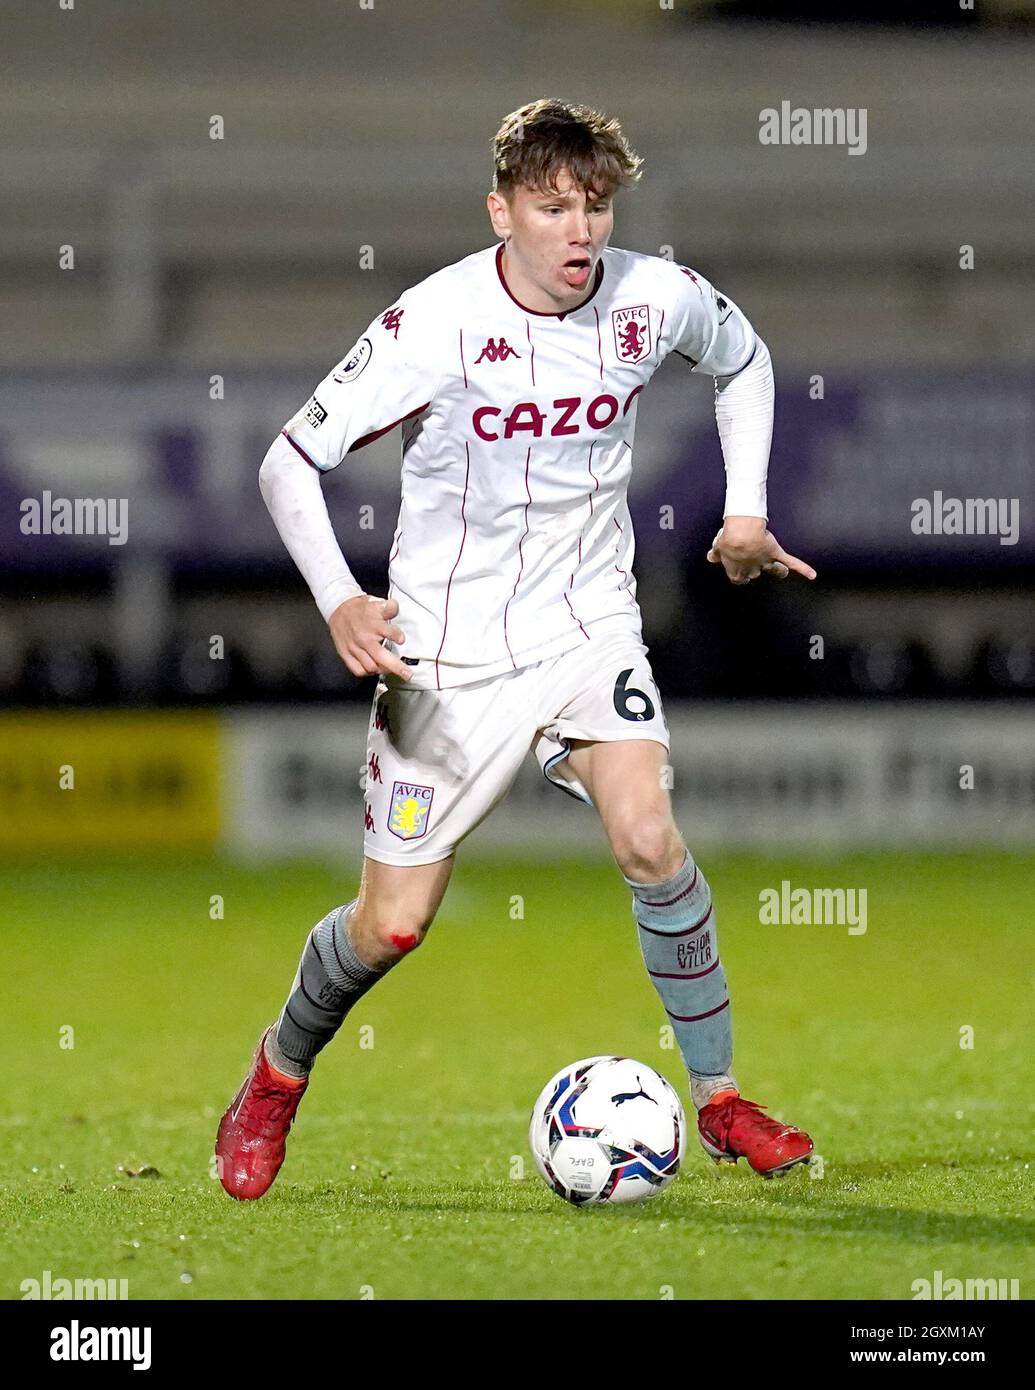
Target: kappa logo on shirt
x=633, y=340
x=391, y=319
x=722, y=305
x=496, y=352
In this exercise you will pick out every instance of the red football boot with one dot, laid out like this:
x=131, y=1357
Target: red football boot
x=253, y=1133
x=730, y=1127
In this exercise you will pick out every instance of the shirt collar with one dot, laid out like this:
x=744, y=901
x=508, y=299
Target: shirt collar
x=540, y=313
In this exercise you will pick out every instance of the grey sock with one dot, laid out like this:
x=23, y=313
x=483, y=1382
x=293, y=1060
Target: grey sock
x=677, y=940
x=329, y=981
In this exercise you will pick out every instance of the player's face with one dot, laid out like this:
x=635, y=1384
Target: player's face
x=555, y=238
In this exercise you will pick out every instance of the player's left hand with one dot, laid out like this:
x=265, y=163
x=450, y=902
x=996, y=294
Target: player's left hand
x=746, y=548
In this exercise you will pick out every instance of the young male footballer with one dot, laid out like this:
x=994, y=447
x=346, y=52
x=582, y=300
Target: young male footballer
x=511, y=620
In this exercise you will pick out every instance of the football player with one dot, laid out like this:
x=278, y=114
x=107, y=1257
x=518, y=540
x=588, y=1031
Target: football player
x=511, y=622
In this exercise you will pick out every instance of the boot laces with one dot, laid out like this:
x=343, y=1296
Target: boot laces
x=766, y=1123
x=267, y=1106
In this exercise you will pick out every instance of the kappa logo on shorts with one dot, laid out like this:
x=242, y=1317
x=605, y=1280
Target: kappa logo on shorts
x=411, y=806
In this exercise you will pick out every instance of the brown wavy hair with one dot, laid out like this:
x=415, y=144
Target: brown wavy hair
x=539, y=139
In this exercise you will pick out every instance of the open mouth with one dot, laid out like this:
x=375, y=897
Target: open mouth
x=576, y=271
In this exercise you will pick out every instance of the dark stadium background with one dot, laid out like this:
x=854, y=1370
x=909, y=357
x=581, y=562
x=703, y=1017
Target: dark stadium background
x=181, y=749
x=196, y=257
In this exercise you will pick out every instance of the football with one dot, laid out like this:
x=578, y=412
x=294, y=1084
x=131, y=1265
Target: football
x=607, y=1129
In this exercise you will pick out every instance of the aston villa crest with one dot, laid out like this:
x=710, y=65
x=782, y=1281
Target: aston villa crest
x=409, y=811
x=632, y=330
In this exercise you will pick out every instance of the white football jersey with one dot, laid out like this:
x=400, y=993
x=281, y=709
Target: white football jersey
x=514, y=540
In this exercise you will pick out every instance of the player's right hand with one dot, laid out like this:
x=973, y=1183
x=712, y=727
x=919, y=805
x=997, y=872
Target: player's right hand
x=359, y=626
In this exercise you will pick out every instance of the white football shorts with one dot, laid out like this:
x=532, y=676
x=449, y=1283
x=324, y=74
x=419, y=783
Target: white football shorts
x=438, y=761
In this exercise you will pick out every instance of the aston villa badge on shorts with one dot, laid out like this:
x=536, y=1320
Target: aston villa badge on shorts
x=411, y=806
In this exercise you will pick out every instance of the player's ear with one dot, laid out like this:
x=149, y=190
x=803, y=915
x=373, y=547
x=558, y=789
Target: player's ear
x=499, y=213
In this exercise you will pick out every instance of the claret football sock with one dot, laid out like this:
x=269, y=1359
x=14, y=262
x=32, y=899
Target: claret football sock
x=329, y=981
x=676, y=924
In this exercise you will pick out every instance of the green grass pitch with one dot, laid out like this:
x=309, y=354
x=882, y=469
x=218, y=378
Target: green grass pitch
x=404, y=1169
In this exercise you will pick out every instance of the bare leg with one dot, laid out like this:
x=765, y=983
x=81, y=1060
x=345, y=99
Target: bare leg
x=624, y=778
x=397, y=904
x=671, y=901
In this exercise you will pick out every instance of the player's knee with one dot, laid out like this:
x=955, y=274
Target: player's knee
x=647, y=847
x=383, y=935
